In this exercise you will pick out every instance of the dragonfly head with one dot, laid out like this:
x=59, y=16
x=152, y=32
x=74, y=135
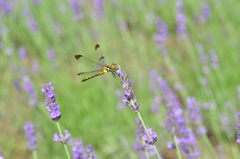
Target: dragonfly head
x=114, y=66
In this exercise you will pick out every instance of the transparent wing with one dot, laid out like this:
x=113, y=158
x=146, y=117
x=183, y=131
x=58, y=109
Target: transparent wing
x=89, y=73
x=88, y=62
x=101, y=59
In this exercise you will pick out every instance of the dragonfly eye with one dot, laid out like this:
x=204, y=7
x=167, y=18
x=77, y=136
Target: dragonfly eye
x=114, y=66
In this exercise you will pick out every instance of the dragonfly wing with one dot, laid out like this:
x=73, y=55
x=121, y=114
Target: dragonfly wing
x=89, y=73
x=87, y=61
x=101, y=59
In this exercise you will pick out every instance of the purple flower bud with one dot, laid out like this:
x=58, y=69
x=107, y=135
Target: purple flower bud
x=153, y=136
x=61, y=138
x=35, y=66
x=98, y=8
x=4, y=4
x=22, y=53
x=180, y=18
x=206, y=11
x=76, y=8
x=51, y=55
x=51, y=101
x=30, y=136
x=33, y=25
x=32, y=93
x=37, y=2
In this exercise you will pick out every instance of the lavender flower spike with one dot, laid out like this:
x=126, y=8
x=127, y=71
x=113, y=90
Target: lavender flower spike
x=153, y=137
x=77, y=148
x=128, y=97
x=61, y=138
x=30, y=135
x=90, y=152
x=51, y=101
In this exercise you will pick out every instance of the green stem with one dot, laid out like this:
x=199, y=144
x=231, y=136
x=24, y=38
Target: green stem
x=178, y=150
x=210, y=146
x=65, y=146
x=145, y=128
x=34, y=153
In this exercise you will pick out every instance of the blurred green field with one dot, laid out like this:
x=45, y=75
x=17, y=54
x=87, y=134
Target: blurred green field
x=125, y=31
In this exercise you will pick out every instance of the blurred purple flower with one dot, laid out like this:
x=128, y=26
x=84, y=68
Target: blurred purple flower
x=206, y=11
x=51, y=55
x=22, y=53
x=77, y=148
x=8, y=51
x=214, y=59
x=195, y=115
x=161, y=36
x=139, y=146
x=153, y=136
x=51, y=101
x=30, y=136
x=32, y=93
x=156, y=104
x=61, y=138
x=5, y=6
x=204, y=16
x=35, y=66
x=17, y=85
x=37, y=2
x=180, y=18
x=140, y=129
x=98, y=8
x=153, y=75
x=1, y=156
x=128, y=97
x=33, y=25
x=90, y=152
x=76, y=8
x=120, y=105
x=1, y=45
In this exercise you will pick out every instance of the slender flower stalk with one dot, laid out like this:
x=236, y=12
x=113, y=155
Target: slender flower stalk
x=53, y=109
x=184, y=139
x=129, y=99
x=31, y=137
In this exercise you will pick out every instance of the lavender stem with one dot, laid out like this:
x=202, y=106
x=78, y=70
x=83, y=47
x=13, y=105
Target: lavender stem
x=177, y=147
x=145, y=128
x=65, y=146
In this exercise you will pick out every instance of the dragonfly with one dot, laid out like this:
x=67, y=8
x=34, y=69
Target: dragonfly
x=101, y=67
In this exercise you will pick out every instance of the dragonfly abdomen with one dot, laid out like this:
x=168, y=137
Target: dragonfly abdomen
x=97, y=74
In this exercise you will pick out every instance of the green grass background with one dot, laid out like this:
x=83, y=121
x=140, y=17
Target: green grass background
x=89, y=109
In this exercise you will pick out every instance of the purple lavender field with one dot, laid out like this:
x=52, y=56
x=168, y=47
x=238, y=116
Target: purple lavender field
x=175, y=95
